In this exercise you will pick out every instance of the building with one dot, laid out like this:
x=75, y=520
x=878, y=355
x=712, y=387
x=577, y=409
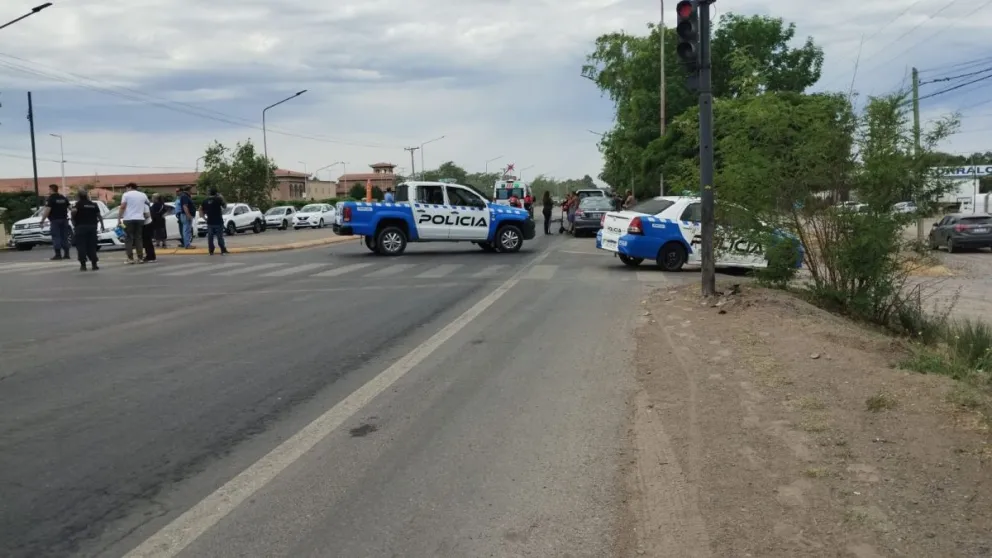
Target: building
x=290, y=185
x=382, y=176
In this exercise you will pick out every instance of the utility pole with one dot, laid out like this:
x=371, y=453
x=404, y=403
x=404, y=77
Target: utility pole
x=413, y=169
x=706, y=149
x=34, y=152
x=916, y=141
x=661, y=90
x=65, y=192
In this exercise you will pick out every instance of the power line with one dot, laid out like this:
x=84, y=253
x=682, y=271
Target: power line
x=146, y=98
x=959, y=76
x=95, y=164
x=956, y=87
x=960, y=65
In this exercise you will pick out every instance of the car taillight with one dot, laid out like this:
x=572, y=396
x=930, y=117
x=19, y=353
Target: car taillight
x=602, y=221
x=346, y=214
x=579, y=213
x=960, y=228
x=635, y=226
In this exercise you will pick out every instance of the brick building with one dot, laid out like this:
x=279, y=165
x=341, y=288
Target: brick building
x=290, y=185
x=382, y=175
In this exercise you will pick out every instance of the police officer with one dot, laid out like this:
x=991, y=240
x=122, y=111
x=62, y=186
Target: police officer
x=86, y=217
x=57, y=211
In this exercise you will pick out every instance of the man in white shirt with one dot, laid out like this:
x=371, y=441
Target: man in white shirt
x=134, y=206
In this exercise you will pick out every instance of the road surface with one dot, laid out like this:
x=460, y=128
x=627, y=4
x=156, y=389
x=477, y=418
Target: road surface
x=325, y=402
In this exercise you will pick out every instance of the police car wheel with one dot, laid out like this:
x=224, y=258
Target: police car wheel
x=509, y=238
x=632, y=262
x=672, y=257
x=390, y=241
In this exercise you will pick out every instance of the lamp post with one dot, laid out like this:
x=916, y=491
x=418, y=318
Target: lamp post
x=317, y=172
x=33, y=11
x=62, y=161
x=490, y=161
x=265, y=140
x=198, y=159
x=422, y=155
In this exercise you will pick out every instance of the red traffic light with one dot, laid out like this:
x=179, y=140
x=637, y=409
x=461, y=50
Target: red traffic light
x=684, y=9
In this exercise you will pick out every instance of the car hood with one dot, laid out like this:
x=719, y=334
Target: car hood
x=28, y=221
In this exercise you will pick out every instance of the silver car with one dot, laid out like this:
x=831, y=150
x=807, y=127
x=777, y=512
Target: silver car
x=962, y=231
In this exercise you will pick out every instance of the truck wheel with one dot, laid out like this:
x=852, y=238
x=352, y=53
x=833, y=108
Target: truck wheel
x=370, y=243
x=23, y=247
x=672, y=257
x=231, y=229
x=509, y=238
x=629, y=261
x=391, y=241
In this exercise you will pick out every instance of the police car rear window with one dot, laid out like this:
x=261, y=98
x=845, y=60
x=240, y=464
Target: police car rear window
x=652, y=207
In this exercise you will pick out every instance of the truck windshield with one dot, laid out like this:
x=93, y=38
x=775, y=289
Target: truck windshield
x=507, y=193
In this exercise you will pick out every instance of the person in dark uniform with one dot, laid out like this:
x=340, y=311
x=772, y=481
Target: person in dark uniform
x=57, y=211
x=86, y=217
x=213, y=209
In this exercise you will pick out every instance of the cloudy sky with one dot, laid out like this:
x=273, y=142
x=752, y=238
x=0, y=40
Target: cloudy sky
x=145, y=85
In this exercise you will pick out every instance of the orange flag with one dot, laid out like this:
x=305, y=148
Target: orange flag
x=368, y=190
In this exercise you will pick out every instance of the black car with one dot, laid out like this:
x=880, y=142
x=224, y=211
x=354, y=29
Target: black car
x=590, y=214
x=962, y=231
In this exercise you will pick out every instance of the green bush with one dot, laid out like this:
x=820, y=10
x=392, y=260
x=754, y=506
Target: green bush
x=19, y=205
x=782, y=254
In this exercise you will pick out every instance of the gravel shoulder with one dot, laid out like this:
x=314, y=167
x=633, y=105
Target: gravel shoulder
x=767, y=427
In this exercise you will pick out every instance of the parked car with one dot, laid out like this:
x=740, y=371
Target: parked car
x=28, y=233
x=113, y=240
x=590, y=213
x=280, y=216
x=238, y=217
x=904, y=207
x=314, y=216
x=957, y=231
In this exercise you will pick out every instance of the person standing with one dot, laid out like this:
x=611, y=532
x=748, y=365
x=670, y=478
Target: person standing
x=187, y=217
x=547, y=206
x=213, y=209
x=85, y=217
x=148, y=236
x=159, y=233
x=57, y=212
x=629, y=200
x=134, y=208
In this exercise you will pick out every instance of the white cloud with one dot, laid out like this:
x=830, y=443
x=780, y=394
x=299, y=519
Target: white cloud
x=496, y=77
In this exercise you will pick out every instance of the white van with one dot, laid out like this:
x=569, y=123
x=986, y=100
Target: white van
x=503, y=190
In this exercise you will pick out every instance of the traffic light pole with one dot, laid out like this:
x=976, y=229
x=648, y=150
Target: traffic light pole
x=706, y=151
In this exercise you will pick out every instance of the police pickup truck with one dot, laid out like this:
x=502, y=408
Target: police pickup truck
x=667, y=230
x=434, y=212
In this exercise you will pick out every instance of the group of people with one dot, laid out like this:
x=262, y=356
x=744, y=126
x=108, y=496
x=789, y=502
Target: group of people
x=571, y=204
x=142, y=221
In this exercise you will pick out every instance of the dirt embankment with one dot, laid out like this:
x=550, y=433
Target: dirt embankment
x=768, y=428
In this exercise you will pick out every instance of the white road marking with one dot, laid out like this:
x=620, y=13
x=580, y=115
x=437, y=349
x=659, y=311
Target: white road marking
x=147, y=271
x=294, y=270
x=250, y=269
x=342, y=270
x=209, y=267
x=181, y=532
x=439, y=271
x=25, y=266
x=391, y=270
x=490, y=271
x=541, y=272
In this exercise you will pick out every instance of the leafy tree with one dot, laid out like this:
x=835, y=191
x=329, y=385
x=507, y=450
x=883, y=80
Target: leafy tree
x=357, y=191
x=750, y=55
x=240, y=175
x=447, y=170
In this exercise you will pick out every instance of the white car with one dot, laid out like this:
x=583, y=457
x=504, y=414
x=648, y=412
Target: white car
x=280, y=217
x=314, y=216
x=28, y=233
x=238, y=217
x=115, y=240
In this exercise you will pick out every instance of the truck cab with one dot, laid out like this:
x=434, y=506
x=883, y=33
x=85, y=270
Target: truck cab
x=434, y=212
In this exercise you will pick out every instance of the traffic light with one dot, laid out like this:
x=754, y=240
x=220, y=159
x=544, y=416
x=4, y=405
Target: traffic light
x=688, y=32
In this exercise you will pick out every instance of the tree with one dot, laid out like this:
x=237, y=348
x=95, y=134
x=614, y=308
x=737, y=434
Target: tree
x=357, y=191
x=240, y=175
x=447, y=170
x=626, y=67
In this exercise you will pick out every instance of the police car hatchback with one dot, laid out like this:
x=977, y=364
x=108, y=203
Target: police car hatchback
x=667, y=229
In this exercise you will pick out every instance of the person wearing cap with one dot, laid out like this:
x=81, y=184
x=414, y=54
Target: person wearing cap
x=213, y=209
x=86, y=216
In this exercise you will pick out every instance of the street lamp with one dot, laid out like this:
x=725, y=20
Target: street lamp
x=317, y=172
x=265, y=141
x=490, y=161
x=422, y=155
x=198, y=159
x=33, y=11
x=62, y=161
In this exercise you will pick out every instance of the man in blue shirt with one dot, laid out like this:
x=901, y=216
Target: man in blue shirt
x=213, y=209
x=389, y=196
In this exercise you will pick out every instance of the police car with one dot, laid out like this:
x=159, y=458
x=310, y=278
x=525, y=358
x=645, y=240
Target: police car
x=434, y=212
x=667, y=229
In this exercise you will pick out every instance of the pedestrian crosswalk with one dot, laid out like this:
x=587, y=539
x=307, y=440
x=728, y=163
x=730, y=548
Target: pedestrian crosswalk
x=389, y=270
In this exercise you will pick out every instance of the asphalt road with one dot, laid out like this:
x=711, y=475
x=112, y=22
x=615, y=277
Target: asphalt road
x=317, y=403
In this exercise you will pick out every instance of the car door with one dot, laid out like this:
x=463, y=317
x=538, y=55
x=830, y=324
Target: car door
x=469, y=214
x=329, y=213
x=690, y=223
x=431, y=213
x=171, y=223
x=735, y=244
x=241, y=216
